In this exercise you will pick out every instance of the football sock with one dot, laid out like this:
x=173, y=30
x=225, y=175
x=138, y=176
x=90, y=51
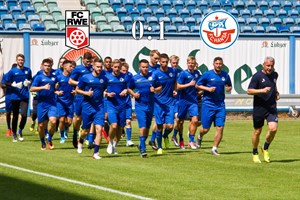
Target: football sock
x=214, y=148
x=266, y=145
x=153, y=136
x=90, y=137
x=175, y=132
x=50, y=138
x=96, y=148
x=255, y=152
x=62, y=134
x=81, y=140
x=143, y=143
x=75, y=132
x=180, y=137
x=43, y=141
x=128, y=133
x=8, y=120
x=159, y=139
x=20, y=132
x=166, y=133
x=192, y=138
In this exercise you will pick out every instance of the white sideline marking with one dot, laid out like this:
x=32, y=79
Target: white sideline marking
x=76, y=182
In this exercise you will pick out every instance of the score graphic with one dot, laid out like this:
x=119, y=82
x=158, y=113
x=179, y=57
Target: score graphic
x=138, y=25
x=77, y=29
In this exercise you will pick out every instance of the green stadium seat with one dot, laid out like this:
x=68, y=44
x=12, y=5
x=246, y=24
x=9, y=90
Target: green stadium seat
x=118, y=28
x=113, y=20
x=108, y=12
x=100, y=20
x=103, y=4
x=90, y=4
x=55, y=11
x=47, y=19
x=37, y=3
x=51, y=3
x=94, y=12
x=105, y=28
x=42, y=11
x=61, y=27
x=59, y=19
x=51, y=27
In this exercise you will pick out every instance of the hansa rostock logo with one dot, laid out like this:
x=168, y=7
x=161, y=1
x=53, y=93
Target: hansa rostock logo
x=219, y=29
x=77, y=29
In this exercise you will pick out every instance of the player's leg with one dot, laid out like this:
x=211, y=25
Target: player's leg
x=169, y=121
x=98, y=138
x=88, y=116
x=90, y=137
x=33, y=114
x=160, y=120
x=112, y=117
x=176, y=121
x=8, y=109
x=206, y=122
x=24, y=109
x=16, y=107
x=193, y=113
x=143, y=121
x=42, y=123
x=61, y=115
x=77, y=119
x=219, y=123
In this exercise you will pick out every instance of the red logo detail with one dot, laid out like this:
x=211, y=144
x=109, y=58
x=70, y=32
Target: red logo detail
x=265, y=44
x=77, y=37
x=224, y=37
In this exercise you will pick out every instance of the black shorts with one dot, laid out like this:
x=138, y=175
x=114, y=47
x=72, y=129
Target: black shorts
x=261, y=113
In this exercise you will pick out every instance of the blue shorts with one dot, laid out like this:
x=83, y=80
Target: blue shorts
x=216, y=115
x=184, y=109
x=116, y=116
x=105, y=104
x=176, y=106
x=92, y=115
x=8, y=104
x=78, y=105
x=65, y=110
x=164, y=114
x=144, y=117
x=129, y=112
x=199, y=110
x=45, y=111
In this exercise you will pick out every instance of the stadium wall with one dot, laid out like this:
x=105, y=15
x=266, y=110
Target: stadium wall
x=241, y=60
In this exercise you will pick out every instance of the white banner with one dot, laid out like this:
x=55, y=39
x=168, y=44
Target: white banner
x=241, y=59
x=10, y=46
x=297, y=71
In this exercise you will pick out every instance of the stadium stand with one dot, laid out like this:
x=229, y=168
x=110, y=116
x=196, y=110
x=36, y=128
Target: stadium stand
x=271, y=29
x=246, y=29
x=258, y=29
x=171, y=29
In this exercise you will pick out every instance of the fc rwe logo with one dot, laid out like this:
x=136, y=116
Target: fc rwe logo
x=219, y=30
x=77, y=29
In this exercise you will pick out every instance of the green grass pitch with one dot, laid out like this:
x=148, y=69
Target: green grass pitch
x=177, y=174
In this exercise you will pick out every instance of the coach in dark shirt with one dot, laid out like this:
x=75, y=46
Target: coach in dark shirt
x=263, y=87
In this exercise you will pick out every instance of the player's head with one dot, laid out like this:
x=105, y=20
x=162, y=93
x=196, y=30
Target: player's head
x=174, y=61
x=67, y=66
x=218, y=64
x=94, y=58
x=122, y=60
x=191, y=63
x=87, y=59
x=73, y=64
x=20, y=58
x=61, y=61
x=163, y=60
x=47, y=65
x=116, y=66
x=97, y=66
x=124, y=67
x=144, y=66
x=107, y=62
x=154, y=57
x=268, y=65
x=51, y=61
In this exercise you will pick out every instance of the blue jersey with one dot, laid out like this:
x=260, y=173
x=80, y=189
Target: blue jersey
x=47, y=96
x=153, y=68
x=117, y=84
x=19, y=75
x=167, y=80
x=98, y=84
x=53, y=72
x=63, y=85
x=189, y=94
x=128, y=100
x=211, y=79
x=78, y=72
x=142, y=84
x=107, y=71
x=59, y=71
x=8, y=88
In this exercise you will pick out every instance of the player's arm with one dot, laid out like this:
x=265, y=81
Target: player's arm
x=183, y=86
x=73, y=82
x=252, y=91
x=39, y=88
x=85, y=93
x=136, y=95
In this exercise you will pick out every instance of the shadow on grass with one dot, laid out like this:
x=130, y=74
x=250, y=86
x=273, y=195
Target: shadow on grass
x=286, y=161
x=237, y=152
x=12, y=188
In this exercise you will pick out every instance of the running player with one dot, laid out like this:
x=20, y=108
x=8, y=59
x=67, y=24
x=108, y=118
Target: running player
x=77, y=73
x=44, y=85
x=214, y=83
x=164, y=101
x=65, y=105
x=19, y=78
x=188, y=103
x=142, y=87
x=92, y=87
x=116, y=104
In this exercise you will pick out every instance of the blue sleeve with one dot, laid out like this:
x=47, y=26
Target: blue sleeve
x=81, y=83
x=181, y=78
x=203, y=79
x=9, y=77
x=228, y=81
x=131, y=83
x=30, y=74
x=156, y=81
x=74, y=74
x=36, y=81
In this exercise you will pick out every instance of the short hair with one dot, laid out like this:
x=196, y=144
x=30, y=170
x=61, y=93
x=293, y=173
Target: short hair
x=218, y=58
x=125, y=65
x=164, y=55
x=155, y=51
x=189, y=58
x=62, y=58
x=270, y=59
x=115, y=61
x=108, y=57
x=73, y=63
x=98, y=60
x=87, y=55
x=143, y=61
x=51, y=60
x=174, y=57
x=20, y=55
x=14, y=65
x=67, y=62
x=47, y=60
x=122, y=59
x=94, y=58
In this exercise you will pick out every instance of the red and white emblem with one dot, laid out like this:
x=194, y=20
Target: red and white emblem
x=77, y=37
